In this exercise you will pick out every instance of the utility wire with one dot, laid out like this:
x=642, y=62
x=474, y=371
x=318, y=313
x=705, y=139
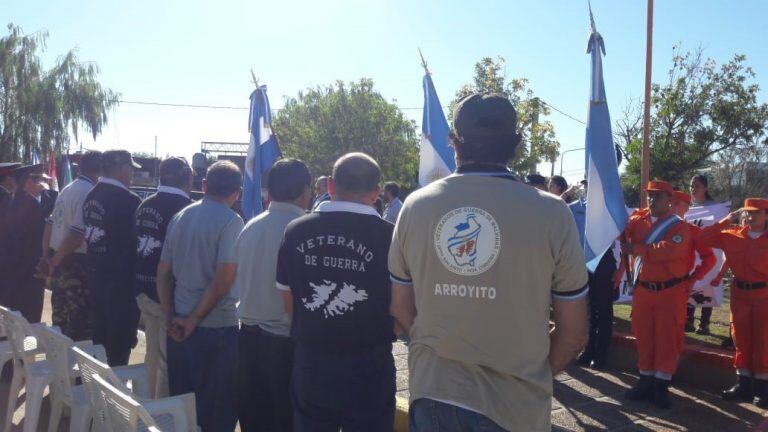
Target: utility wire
x=563, y=113
x=180, y=105
x=183, y=105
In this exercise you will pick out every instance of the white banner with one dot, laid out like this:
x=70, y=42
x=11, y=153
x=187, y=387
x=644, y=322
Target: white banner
x=703, y=293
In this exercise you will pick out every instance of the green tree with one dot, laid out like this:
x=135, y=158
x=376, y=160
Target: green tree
x=702, y=110
x=539, y=142
x=39, y=108
x=323, y=123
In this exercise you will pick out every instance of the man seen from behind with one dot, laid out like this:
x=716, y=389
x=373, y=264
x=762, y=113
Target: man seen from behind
x=266, y=349
x=476, y=261
x=194, y=279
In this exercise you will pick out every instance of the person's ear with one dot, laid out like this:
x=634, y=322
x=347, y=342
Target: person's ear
x=205, y=186
x=331, y=187
x=375, y=194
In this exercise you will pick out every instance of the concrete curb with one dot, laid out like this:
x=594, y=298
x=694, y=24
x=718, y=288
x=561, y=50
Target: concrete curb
x=691, y=352
x=700, y=366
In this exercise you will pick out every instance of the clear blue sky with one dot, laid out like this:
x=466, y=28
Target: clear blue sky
x=200, y=52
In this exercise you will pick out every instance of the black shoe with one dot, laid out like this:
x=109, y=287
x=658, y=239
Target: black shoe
x=597, y=364
x=584, y=359
x=689, y=328
x=643, y=389
x=760, y=389
x=741, y=391
x=661, y=393
x=727, y=343
x=703, y=330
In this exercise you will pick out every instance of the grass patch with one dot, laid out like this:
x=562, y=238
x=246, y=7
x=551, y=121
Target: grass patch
x=719, y=324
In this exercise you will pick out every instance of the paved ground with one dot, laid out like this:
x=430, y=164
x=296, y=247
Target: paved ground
x=587, y=400
x=584, y=400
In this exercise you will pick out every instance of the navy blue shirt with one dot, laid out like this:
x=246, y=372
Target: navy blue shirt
x=150, y=225
x=334, y=262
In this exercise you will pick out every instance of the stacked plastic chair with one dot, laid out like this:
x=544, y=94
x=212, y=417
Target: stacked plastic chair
x=63, y=391
x=28, y=370
x=112, y=409
x=90, y=365
x=126, y=414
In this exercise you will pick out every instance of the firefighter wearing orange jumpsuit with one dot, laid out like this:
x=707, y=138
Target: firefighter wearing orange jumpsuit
x=746, y=249
x=660, y=245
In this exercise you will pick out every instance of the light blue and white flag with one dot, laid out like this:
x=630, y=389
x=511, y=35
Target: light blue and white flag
x=436, y=157
x=263, y=151
x=67, y=177
x=606, y=214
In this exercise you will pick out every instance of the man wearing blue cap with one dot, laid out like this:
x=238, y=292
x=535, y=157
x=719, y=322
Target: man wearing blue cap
x=108, y=213
x=477, y=261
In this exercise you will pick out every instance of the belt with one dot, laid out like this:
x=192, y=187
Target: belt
x=260, y=331
x=658, y=286
x=749, y=285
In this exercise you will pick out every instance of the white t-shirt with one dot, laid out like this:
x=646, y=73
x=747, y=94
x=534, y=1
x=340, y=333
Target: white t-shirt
x=68, y=212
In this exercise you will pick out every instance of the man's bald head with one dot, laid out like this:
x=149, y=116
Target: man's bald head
x=356, y=175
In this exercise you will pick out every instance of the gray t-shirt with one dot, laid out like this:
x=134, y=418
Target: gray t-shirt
x=260, y=302
x=200, y=237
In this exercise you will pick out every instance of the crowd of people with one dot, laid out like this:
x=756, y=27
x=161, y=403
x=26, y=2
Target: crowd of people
x=286, y=321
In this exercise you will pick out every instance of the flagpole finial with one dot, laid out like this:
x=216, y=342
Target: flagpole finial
x=591, y=18
x=424, y=62
x=255, y=80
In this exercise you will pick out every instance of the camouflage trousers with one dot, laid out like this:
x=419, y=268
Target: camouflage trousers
x=71, y=299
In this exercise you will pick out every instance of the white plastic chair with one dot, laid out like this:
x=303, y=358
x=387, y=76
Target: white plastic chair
x=63, y=391
x=154, y=330
x=123, y=412
x=34, y=374
x=90, y=365
x=126, y=414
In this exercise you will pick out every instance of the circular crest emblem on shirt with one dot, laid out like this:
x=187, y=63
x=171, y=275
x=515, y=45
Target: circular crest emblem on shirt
x=467, y=240
x=677, y=239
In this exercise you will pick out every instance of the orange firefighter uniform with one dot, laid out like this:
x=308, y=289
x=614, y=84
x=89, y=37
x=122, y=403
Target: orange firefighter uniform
x=661, y=288
x=748, y=260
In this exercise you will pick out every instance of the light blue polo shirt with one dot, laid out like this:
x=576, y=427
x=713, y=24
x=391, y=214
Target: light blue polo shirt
x=200, y=237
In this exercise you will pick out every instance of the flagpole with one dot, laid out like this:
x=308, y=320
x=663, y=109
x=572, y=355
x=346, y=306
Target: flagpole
x=423, y=62
x=645, y=161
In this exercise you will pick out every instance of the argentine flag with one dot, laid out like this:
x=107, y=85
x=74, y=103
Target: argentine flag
x=262, y=152
x=606, y=214
x=436, y=158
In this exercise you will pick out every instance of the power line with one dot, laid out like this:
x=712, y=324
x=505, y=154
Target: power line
x=564, y=113
x=179, y=105
x=184, y=105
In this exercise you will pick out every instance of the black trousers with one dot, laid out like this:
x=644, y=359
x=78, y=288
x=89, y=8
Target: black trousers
x=706, y=314
x=264, y=380
x=27, y=297
x=115, y=315
x=351, y=392
x=601, y=298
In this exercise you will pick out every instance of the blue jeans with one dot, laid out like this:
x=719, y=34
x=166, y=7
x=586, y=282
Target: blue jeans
x=206, y=363
x=427, y=415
